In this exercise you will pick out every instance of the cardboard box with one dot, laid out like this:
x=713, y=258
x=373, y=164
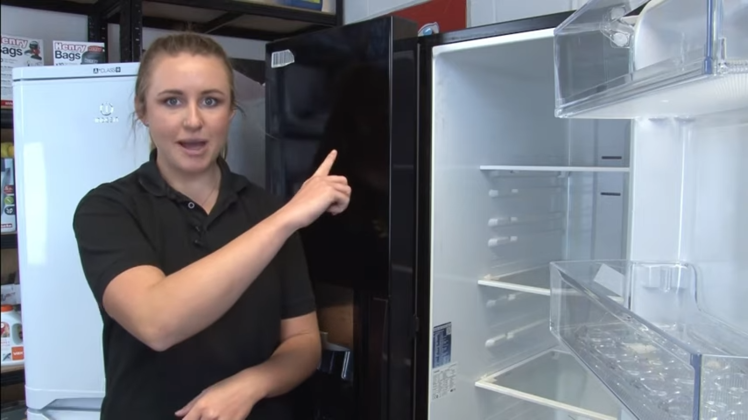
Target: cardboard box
x=17, y=51
x=74, y=53
x=8, y=196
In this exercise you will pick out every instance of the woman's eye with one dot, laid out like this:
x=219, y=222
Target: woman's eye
x=211, y=102
x=172, y=102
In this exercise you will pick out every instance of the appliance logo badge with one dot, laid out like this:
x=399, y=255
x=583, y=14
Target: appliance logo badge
x=106, y=70
x=106, y=109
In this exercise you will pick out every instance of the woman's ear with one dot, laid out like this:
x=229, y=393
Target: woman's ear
x=140, y=111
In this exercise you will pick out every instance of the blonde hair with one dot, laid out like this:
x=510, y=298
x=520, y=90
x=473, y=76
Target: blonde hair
x=173, y=45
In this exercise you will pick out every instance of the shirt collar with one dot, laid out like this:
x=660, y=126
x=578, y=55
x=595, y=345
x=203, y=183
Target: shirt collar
x=150, y=178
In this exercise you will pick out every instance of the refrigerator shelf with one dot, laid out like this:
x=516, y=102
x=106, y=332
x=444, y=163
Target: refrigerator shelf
x=678, y=58
x=531, y=280
x=12, y=375
x=6, y=118
x=572, y=390
x=514, y=170
x=656, y=348
x=8, y=241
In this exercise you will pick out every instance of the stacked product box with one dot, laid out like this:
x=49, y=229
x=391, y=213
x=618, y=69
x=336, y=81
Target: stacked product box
x=74, y=53
x=8, y=193
x=17, y=51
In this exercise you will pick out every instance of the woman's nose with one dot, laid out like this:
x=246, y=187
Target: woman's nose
x=193, y=119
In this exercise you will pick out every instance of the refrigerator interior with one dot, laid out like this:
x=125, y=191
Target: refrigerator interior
x=514, y=188
x=684, y=86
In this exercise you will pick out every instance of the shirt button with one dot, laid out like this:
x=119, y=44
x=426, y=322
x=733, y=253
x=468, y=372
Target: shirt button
x=191, y=205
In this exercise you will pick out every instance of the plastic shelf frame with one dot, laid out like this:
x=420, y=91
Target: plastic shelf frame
x=677, y=58
x=639, y=328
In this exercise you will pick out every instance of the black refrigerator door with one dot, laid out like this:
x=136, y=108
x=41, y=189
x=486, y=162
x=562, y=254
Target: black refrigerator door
x=354, y=89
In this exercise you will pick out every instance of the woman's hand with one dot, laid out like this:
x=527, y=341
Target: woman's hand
x=320, y=193
x=231, y=399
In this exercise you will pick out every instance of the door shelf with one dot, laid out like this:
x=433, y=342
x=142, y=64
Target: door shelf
x=554, y=379
x=678, y=58
x=654, y=347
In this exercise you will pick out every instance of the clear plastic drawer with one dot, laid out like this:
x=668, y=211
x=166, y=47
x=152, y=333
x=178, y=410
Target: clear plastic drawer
x=679, y=58
x=639, y=328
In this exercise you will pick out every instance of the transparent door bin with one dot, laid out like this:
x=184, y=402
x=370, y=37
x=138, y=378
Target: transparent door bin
x=676, y=58
x=639, y=328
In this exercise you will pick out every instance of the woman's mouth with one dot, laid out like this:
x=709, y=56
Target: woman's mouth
x=193, y=146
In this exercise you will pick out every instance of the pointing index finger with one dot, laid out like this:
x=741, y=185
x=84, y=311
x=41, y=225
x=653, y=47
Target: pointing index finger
x=324, y=168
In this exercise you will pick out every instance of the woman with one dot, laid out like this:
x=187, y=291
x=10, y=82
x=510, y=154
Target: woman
x=200, y=276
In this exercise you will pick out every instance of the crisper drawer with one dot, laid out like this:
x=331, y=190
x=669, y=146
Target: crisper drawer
x=640, y=329
x=676, y=58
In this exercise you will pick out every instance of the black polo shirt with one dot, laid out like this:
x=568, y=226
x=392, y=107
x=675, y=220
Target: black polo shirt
x=140, y=220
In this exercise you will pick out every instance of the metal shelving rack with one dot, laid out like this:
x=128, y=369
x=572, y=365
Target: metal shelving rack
x=7, y=240
x=234, y=18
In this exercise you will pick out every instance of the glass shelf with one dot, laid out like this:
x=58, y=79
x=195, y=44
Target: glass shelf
x=679, y=58
x=574, y=390
x=532, y=280
x=641, y=330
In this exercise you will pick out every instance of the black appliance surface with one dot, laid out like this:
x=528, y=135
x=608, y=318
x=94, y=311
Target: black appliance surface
x=353, y=89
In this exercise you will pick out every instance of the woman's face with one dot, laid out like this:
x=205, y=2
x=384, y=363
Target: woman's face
x=188, y=110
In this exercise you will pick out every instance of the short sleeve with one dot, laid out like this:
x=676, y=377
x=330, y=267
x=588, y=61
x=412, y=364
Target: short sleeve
x=298, y=296
x=110, y=241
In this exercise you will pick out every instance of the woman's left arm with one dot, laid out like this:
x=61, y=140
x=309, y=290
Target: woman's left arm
x=295, y=359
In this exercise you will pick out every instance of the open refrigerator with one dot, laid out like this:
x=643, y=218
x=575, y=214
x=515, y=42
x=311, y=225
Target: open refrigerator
x=589, y=175
x=578, y=232
x=566, y=239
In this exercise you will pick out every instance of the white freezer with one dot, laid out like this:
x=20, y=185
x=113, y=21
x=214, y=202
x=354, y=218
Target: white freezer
x=73, y=131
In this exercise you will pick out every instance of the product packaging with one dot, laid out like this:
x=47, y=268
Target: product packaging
x=17, y=51
x=74, y=53
x=8, y=195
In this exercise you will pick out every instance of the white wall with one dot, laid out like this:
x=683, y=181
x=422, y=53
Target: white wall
x=479, y=12
x=484, y=12
x=235, y=47
x=51, y=26
x=357, y=10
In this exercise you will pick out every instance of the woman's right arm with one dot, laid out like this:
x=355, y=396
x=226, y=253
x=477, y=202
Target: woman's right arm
x=162, y=311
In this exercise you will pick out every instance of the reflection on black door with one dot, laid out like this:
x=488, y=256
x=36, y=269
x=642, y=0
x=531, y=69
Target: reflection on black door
x=353, y=89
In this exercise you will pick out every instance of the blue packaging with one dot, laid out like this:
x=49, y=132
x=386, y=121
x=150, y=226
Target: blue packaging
x=304, y=4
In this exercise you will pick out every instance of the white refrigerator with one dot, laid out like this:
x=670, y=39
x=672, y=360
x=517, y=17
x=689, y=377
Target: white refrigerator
x=582, y=240
x=589, y=238
x=75, y=129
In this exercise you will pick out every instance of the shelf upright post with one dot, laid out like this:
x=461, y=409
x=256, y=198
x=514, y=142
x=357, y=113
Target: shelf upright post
x=99, y=18
x=340, y=12
x=97, y=30
x=131, y=30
